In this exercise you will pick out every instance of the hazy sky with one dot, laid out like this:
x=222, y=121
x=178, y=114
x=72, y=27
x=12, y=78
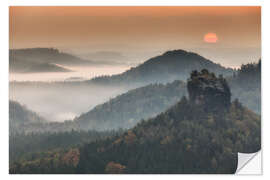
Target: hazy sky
x=141, y=30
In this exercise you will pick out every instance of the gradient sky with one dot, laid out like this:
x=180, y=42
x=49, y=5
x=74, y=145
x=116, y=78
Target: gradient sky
x=141, y=30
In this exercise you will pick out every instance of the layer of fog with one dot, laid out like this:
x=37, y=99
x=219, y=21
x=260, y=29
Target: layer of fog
x=61, y=101
x=86, y=72
x=131, y=57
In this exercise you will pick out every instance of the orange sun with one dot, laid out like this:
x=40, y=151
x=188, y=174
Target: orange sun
x=210, y=38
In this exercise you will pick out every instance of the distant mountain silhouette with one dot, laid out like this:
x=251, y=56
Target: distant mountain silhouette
x=42, y=60
x=172, y=65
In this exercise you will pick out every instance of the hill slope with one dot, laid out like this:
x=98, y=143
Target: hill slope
x=172, y=65
x=42, y=60
x=20, y=116
x=126, y=110
x=188, y=138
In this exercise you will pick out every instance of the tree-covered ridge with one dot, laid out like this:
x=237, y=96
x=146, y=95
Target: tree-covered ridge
x=246, y=85
x=24, y=121
x=171, y=144
x=184, y=139
x=126, y=110
x=20, y=115
x=170, y=66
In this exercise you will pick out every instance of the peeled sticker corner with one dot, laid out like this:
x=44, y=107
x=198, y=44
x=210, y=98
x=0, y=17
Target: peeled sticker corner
x=249, y=164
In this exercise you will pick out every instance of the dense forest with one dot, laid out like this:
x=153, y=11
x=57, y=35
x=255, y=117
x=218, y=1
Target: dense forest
x=201, y=134
x=24, y=147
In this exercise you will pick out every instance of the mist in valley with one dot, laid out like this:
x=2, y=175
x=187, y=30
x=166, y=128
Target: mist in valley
x=38, y=81
x=61, y=101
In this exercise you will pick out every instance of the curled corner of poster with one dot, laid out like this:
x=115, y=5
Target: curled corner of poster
x=249, y=164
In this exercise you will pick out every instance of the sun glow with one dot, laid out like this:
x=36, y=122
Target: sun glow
x=210, y=38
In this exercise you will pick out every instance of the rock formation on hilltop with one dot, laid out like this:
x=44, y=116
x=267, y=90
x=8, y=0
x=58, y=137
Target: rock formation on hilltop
x=209, y=91
x=199, y=135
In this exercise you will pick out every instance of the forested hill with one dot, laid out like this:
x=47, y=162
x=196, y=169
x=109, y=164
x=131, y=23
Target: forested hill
x=128, y=109
x=199, y=135
x=172, y=65
x=42, y=60
x=246, y=85
x=20, y=116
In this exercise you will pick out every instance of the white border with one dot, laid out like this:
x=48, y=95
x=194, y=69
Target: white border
x=4, y=78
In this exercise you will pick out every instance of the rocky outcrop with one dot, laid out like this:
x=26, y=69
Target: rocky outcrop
x=209, y=91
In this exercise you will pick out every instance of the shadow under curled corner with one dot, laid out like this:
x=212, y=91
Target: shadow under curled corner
x=249, y=164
